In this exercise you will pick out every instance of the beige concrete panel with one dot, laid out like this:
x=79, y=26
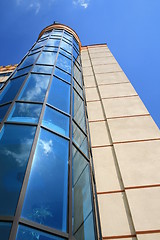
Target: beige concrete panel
x=84, y=56
x=101, y=54
x=119, y=107
x=99, y=134
x=87, y=71
x=1, y=79
x=98, y=49
x=95, y=112
x=145, y=208
x=5, y=78
x=133, y=128
x=153, y=236
x=114, y=218
x=91, y=94
x=104, y=60
x=128, y=238
x=139, y=163
x=105, y=170
x=86, y=63
x=117, y=90
x=111, y=78
x=89, y=81
x=107, y=68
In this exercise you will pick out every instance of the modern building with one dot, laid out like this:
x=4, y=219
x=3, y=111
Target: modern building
x=79, y=152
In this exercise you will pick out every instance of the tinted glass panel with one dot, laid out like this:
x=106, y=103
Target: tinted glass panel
x=78, y=88
x=29, y=60
x=24, y=112
x=82, y=189
x=50, y=48
x=68, y=36
x=79, y=111
x=53, y=42
x=80, y=139
x=61, y=74
x=38, y=45
x=35, y=88
x=66, y=46
x=15, y=146
x=65, y=53
x=59, y=95
x=3, y=111
x=77, y=74
x=21, y=72
x=86, y=231
x=56, y=121
x=26, y=233
x=5, y=229
x=47, y=58
x=46, y=196
x=64, y=63
x=75, y=54
x=11, y=90
x=42, y=69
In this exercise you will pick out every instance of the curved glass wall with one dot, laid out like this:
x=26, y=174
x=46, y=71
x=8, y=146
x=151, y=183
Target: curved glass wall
x=45, y=177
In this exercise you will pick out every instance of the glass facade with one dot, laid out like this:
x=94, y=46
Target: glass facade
x=45, y=170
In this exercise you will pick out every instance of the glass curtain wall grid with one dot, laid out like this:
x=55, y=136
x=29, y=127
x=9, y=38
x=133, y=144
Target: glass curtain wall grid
x=45, y=175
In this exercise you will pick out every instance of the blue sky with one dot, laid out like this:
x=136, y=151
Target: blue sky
x=131, y=28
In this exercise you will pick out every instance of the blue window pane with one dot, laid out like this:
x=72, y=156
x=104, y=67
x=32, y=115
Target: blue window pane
x=66, y=46
x=3, y=110
x=5, y=229
x=75, y=54
x=59, y=95
x=24, y=112
x=26, y=233
x=53, y=42
x=11, y=90
x=15, y=147
x=79, y=111
x=61, y=74
x=80, y=139
x=42, y=69
x=75, y=43
x=47, y=58
x=29, y=60
x=86, y=231
x=46, y=196
x=22, y=72
x=56, y=121
x=64, y=63
x=82, y=189
x=35, y=88
x=78, y=88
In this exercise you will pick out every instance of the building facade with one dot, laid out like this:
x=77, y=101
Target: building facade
x=79, y=151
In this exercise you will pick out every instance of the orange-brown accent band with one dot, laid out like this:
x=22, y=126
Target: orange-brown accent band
x=110, y=192
x=143, y=186
x=148, y=232
x=121, y=236
x=61, y=26
x=107, y=145
x=143, y=140
x=131, y=116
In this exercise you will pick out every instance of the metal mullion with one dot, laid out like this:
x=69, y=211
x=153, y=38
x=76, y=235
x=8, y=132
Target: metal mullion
x=28, y=168
x=22, y=123
x=63, y=69
x=24, y=68
x=54, y=132
x=70, y=151
x=94, y=190
x=58, y=110
x=6, y=103
x=6, y=218
x=43, y=228
x=19, y=91
x=28, y=102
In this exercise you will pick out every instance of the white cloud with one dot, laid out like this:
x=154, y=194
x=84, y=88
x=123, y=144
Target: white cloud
x=82, y=3
x=36, y=6
x=46, y=146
